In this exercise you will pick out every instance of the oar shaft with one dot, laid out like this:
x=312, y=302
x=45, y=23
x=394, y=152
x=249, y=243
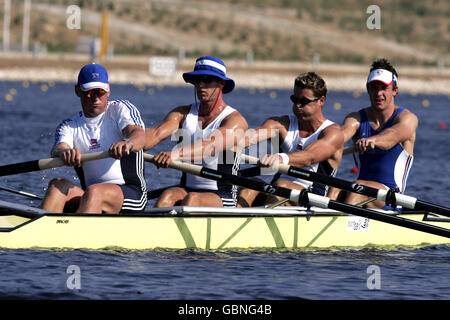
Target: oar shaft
x=42, y=164
x=323, y=179
x=22, y=167
x=326, y=203
x=427, y=206
x=379, y=194
x=22, y=193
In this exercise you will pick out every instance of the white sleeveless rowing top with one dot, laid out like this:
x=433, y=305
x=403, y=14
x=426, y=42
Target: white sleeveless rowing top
x=98, y=134
x=293, y=142
x=223, y=161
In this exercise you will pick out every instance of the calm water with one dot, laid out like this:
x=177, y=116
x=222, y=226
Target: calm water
x=27, y=125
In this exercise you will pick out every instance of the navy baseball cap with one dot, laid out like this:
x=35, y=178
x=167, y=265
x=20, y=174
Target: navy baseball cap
x=210, y=66
x=93, y=76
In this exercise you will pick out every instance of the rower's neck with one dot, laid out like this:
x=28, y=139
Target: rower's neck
x=380, y=117
x=308, y=126
x=211, y=110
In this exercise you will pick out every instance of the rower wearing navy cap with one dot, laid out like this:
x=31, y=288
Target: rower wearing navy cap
x=383, y=135
x=208, y=129
x=109, y=185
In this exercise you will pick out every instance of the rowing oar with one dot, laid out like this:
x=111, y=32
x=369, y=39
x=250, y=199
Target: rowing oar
x=390, y=197
x=42, y=164
x=348, y=150
x=256, y=171
x=303, y=197
x=22, y=193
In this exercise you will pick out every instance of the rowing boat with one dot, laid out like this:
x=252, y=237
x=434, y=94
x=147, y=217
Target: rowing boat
x=209, y=229
x=319, y=222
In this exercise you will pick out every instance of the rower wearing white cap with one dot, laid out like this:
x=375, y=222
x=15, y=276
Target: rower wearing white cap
x=383, y=135
x=208, y=128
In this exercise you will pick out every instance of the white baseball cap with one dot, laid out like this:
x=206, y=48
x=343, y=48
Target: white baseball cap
x=383, y=76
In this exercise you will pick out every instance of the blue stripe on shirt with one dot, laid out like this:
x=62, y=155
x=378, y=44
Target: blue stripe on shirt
x=135, y=115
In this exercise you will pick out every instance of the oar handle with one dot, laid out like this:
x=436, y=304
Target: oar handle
x=58, y=162
x=178, y=165
x=282, y=168
x=42, y=164
x=348, y=150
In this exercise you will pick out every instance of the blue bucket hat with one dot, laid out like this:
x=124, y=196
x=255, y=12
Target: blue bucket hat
x=210, y=66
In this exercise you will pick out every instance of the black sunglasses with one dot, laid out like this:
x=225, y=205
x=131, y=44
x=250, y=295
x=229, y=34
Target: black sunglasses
x=303, y=101
x=205, y=79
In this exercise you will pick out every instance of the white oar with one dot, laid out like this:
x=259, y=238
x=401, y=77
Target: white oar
x=303, y=197
x=42, y=164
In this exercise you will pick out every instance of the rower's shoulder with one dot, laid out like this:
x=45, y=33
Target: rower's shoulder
x=277, y=121
x=72, y=121
x=332, y=126
x=237, y=118
x=332, y=129
x=179, y=113
x=406, y=116
x=181, y=109
x=406, y=112
x=355, y=115
x=120, y=104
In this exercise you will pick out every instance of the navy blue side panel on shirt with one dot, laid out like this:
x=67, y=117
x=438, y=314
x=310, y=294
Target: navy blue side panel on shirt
x=375, y=165
x=131, y=166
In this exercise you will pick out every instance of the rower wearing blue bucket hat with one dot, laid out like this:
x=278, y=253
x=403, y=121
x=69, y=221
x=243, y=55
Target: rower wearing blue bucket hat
x=210, y=66
x=209, y=129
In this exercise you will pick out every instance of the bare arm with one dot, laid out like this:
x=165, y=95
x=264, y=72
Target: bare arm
x=271, y=128
x=72, y=157
x=403, y=129
x=325, y=147
x=350, y=125
x=134, y=141
x=163, y=130
x=227, y=136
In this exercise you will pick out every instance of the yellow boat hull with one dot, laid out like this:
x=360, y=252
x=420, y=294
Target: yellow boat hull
x=209, y=232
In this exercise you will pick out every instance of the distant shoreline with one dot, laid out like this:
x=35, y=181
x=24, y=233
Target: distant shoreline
x=262, y=75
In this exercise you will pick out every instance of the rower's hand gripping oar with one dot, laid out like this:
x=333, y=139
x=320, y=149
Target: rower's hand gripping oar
x=390, y=197
x=256, y=171
x=42, y=164
x=302, y=197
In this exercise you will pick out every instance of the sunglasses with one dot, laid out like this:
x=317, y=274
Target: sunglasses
x=205, y=79
x=94, y=92
x=303, y=101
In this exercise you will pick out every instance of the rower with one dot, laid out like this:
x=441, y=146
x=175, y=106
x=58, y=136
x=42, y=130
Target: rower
x=208, y=128
x=383, y=135
x=109, y=185
x=306, y=137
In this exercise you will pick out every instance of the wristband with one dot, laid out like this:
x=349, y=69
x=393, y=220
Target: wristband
x=128, y=140
x=283, y=156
